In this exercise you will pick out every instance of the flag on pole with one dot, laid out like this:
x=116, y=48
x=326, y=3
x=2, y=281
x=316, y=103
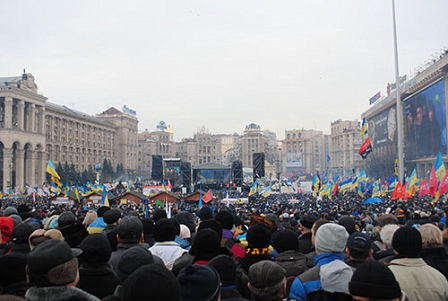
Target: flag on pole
x=443, y=187
x=439, y=166
x=267, y=192
x=208, y=196
x=54, y=174
x=200, y=198
x=365, y=149
x=364, y=127
x=424, y=189
x=397, y=193
x=167, y=208
x=164, y=186
x=433, y=183
x=253, y=189
x=104, y=198
x=227, y=199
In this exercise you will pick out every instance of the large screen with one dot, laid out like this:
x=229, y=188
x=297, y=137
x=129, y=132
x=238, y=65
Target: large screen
x=425, y=125
x=383, y=128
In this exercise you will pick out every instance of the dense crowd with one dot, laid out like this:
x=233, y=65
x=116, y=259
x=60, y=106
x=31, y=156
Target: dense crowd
x=283, y=247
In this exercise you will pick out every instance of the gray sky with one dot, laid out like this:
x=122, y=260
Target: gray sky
x=219, y=64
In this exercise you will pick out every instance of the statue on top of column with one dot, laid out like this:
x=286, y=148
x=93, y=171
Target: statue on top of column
x=28, y=82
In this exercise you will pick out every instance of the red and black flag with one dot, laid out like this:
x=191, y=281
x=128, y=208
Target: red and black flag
x=365, y=149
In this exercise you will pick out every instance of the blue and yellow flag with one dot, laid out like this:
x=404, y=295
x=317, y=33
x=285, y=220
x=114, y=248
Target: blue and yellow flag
x=364, y=127
x=104, y=198
x=267, y=192
x=439, y=166
x=253, y=189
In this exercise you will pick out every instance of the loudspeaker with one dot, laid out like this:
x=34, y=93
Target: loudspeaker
x=237, y=173
x=258, y=165
x=157, y=167
x=185, y=173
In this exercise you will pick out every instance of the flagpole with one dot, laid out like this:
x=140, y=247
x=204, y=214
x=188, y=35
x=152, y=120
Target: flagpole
x=399, y=105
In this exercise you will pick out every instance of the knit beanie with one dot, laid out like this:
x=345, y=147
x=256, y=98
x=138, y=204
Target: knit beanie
x=284, y=240
x=205, y=213
x=152, y=282
x=131, y=260
x=103, y=209
x=331, y=238
x=374, y=280
x=206, y=242
x=211, y=224
x=259, y=236
x=407, y=241
x=226, y=268
x=348, y=223
x=192, y=279
x=164, y=230
x=225, y=218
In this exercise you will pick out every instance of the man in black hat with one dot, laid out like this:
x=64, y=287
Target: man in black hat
x=305, y=225
x=130, y=233
x=53, y=273
x=359, y=249
x=417, y=279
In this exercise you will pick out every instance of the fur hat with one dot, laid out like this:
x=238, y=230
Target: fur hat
x=192, y=279
x=205, y=213
x=331, y=238
x=41, y=235
x=374, y=280
x=89, y=218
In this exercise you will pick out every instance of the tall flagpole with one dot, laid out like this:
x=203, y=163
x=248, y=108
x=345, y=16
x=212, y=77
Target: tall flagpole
x=399, y=105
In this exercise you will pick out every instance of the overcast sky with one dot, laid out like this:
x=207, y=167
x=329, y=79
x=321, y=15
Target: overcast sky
x=219, y=64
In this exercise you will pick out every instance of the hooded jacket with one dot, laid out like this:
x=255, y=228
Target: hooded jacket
x=330, y=274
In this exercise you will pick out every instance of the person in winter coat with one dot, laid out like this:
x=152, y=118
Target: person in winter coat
x=285, y=242
x=416, y=278
x=53, y=273
x=433, y=252
x=331, y=274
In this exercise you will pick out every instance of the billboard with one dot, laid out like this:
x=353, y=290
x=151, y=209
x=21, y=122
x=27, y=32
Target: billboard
x=425, y=122
x=294, y=160
x=383, y=128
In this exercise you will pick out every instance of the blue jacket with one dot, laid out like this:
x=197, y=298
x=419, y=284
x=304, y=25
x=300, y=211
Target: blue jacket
x=327, y=265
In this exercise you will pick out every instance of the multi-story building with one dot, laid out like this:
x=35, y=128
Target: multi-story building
x=304, y=152
x=34, y=131
x=345, y=142
x=252, y=141
x=424, y=102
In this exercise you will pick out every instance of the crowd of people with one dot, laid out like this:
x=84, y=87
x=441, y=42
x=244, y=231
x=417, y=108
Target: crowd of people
x=283, y=247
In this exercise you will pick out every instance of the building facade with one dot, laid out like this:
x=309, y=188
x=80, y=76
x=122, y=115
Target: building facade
x=424, y=119
x=345, y=140
x=34, y=131
x=304, y=152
